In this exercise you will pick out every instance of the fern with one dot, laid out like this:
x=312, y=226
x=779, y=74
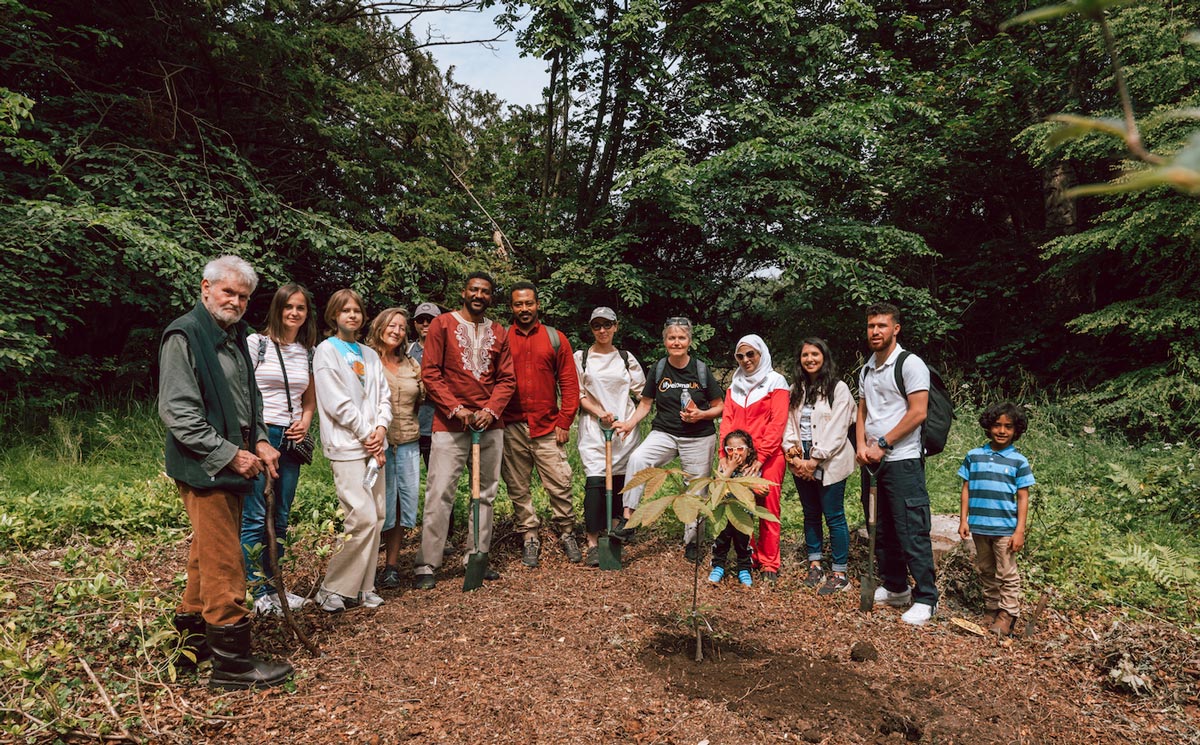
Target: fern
x=1166, y=566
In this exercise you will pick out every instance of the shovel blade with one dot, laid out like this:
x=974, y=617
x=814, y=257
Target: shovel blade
x=866, y=594
x=866, y=587
x=477, y=565
x=609, y=554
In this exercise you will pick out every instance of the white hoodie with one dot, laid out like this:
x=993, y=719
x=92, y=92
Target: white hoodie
x=350, y=410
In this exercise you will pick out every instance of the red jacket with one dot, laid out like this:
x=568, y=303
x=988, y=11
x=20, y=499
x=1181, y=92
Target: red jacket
x=542, y=376
x=765, y=420
x=455, y=378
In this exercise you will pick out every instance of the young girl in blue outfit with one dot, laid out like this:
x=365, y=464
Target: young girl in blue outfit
x=739, y=452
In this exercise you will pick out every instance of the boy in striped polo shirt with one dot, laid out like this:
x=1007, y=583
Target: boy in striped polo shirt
x=995, y=500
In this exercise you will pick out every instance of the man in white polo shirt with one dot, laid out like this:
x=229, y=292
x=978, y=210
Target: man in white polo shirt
x=889, y=444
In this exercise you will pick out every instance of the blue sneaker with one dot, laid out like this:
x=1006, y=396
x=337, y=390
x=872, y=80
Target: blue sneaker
x=744, y=578
x=717, y=574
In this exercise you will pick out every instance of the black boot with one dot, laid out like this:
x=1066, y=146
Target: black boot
x=191, y=633
x=233, y=668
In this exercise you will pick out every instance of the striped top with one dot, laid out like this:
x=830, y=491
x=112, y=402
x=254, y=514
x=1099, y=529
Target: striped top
x=270, y=378
x=993, y=478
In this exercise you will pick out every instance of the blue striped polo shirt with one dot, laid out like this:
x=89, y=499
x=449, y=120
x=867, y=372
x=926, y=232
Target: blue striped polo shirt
x=993, y=478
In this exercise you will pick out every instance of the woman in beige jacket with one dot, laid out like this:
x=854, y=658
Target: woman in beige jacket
x=820, y=458
x=402, y=474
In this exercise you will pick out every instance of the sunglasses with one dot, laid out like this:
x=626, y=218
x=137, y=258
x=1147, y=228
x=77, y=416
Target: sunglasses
x=736, y=448
x=739, y=356
x=677, y=321
x=423, y=320
x=597, y=325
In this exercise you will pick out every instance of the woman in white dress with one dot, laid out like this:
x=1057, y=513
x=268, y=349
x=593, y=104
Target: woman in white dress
x=610, y=381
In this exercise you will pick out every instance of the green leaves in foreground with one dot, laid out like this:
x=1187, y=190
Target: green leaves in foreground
x=722, y=500
x=1180, y=171
x=1090, y=9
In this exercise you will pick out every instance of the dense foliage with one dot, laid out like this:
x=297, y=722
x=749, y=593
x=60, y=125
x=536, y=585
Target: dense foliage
x=762, y=167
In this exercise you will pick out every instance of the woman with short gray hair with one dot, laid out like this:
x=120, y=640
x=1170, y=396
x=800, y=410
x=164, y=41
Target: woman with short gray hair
x=688, y=399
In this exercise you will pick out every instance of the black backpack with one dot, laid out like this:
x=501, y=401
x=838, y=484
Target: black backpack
x=939, y=414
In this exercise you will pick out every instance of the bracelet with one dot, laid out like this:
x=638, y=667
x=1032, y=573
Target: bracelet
x=490, y=412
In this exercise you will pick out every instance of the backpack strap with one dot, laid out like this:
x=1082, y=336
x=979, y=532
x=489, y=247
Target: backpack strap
x=624, y=357
x=583, y=358
x=555, y=344
x=262, y=352
x=899, y=373
x=659, y=369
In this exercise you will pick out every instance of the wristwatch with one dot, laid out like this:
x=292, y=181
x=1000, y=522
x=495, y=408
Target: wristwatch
x=883, y=443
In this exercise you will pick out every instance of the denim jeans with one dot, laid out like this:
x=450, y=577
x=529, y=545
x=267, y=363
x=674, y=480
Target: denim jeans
x=817, y=500
x=254, y=517
x=402, y=484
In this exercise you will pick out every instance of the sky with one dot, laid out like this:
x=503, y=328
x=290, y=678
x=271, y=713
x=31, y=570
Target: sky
x=501, y=70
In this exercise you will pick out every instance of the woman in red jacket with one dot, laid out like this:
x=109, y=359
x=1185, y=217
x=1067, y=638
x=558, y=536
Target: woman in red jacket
x=757, y=402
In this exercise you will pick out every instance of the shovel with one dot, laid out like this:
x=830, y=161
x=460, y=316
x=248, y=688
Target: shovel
x=608, y=552
x=477, y=562
x=866, y=594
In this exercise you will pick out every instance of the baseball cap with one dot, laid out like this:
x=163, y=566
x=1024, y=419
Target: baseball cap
x=603, y=312
x=427, y=309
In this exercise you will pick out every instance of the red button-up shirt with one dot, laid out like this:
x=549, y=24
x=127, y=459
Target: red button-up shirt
x=543, y=377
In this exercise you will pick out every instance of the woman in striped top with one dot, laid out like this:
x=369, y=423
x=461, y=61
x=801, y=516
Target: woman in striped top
x=284, y=374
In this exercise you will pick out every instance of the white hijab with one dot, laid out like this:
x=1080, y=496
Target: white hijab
x=749, y=389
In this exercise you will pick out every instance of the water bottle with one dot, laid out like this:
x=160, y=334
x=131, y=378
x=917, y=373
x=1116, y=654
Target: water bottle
x=372, y=474
x=685, y=399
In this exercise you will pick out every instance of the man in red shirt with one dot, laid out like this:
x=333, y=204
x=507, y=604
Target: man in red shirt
x=468, y=374
x=536, y=426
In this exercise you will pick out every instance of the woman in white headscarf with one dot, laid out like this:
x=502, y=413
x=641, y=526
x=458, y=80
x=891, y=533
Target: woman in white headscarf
x=757, y=402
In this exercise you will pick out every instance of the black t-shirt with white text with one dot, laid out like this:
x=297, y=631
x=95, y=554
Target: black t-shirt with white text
x=666, y=391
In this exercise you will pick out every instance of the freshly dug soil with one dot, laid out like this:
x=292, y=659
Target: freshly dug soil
x=568, y=654
x=564, y=653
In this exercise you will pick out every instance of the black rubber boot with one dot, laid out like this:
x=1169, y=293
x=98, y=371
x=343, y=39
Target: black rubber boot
x=191, y=631
x=232, y=666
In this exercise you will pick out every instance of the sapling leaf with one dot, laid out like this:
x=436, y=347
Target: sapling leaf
x=739, y=517
x=688, y=508
x=764, y=514
x=648, y=512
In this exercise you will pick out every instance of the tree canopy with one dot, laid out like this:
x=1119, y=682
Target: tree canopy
x=766, y=167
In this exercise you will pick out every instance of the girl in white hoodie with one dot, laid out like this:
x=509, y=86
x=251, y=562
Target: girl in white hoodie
x=355, y=406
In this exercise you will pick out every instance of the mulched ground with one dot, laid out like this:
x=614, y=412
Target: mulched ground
x=565, y=654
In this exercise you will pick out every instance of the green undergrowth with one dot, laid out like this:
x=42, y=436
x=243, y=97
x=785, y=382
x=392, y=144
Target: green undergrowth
x=1109, y=521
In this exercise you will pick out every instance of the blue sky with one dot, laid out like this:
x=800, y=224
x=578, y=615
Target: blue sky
x=501, y=70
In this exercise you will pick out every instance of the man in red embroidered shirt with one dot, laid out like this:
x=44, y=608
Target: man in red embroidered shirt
x=537, y=427
x=468, y=374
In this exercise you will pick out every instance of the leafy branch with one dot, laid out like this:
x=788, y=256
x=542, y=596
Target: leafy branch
x=1180, y=171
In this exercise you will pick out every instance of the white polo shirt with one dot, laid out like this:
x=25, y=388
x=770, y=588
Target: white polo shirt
x=886, y=407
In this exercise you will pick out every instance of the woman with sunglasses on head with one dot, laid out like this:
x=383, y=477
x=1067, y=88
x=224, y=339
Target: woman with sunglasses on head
x=757, y=402
x=688, y=399
x=820, y=458
x=402, y=457
x=610, y=380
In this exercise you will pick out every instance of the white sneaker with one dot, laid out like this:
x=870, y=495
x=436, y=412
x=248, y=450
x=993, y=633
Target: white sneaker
x=330, y=602
x=268, y=605
x=371, y=600
x=295, y=602
x=895, y=599
x=919, y=614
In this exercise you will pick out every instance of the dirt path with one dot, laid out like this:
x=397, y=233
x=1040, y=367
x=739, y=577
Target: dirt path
x=564, y=654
